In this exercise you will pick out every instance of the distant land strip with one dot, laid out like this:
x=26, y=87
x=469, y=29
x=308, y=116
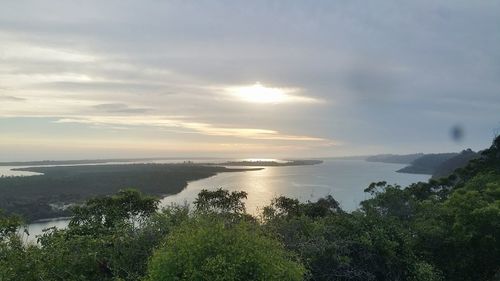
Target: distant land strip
x=50, y=194
x=97, y=161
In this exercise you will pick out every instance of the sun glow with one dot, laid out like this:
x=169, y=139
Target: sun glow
x=264, y=160
x=258, y=93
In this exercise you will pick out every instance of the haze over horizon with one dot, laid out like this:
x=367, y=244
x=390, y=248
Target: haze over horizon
x=246, y=79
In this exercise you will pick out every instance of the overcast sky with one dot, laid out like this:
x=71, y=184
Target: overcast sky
x=99, y=79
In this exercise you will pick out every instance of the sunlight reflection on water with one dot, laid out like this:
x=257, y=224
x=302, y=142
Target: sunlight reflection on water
x=345, y=180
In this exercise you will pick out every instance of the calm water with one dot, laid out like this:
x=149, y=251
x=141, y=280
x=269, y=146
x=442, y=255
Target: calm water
x=345, y=180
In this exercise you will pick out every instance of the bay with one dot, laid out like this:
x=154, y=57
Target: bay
x=345, y=180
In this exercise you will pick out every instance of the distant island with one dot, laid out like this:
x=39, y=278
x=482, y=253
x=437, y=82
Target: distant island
x=90, y=161
x=297, y=162
x=272, y=163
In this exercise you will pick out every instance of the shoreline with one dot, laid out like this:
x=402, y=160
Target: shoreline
x=33, y=196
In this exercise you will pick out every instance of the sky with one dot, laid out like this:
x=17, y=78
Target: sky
x=119, y=79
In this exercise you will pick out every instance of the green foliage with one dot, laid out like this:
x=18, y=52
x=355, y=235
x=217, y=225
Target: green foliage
x=390, y=201
x=109, y=238
x=288, y=207
x=17, y=261
x=466, y=225
x=340, y=246
x=127, y=206
x=8, y=225
x=220, y=201
x=209, y=249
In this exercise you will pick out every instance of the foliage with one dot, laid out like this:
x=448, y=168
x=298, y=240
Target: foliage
x=340, y=246
x=427, y=164
x=220, y=201
x=459, y=161
x=109, y=238
x=16, y=260
x=127, y=206
x=466, y=225
x=288, y=207
x=208, y=249
x=8, y=225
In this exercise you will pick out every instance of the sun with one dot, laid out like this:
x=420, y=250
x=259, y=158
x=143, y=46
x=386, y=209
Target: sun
x=258, y=93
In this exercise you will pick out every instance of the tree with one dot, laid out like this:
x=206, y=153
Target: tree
x=207, y=248
x=17, y=261
x=221, y=201
x=336, y=245
x=289, y=207
x=128, y=206
x=8, y=225
x=462, y=234
x=108, y=238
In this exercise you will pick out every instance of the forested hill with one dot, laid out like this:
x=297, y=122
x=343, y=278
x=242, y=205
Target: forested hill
x=427, y=164
x=458, y=161
x=438, y=164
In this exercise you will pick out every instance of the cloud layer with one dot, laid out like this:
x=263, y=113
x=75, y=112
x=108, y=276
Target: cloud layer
x=346, y=77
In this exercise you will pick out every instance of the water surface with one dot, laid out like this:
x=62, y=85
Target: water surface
x=345, y=180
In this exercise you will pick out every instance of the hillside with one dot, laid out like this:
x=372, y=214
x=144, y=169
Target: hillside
x=459, y=161
x=427, y=164
x=438, y=165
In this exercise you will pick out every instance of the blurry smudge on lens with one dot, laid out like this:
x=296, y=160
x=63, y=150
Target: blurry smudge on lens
x=457, y=133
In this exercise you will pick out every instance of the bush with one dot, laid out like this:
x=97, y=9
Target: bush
x=208, y=249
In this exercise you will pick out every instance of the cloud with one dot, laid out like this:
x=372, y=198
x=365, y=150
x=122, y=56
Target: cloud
x=334, y=69
x=18, y=51
x=201, y=128
x=119, y=108
x=258, y=93
x=10, y=98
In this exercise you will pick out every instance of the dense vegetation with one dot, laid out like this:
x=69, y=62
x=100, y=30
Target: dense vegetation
x=446, y=229
x=456, y=162
x=47, y=195
x=438, y=165
x=427, y=164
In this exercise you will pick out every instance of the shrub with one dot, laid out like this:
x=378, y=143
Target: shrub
x=208, y=249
